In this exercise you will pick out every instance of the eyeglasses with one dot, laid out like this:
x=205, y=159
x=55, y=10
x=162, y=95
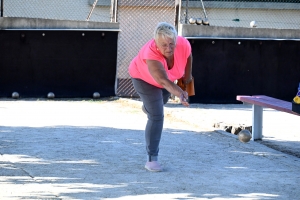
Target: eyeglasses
x=167, y=46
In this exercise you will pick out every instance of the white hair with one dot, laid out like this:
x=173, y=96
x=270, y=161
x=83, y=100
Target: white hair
x=164, y=29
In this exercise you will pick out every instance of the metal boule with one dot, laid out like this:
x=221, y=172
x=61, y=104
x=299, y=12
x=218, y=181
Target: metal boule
x=244, y=135
x=50, y=95
x=192, y=20
x=205, y=21
x=96, y=95
x=15, y=95
x=198, y=21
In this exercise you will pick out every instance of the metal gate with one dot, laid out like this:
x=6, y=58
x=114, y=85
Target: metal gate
x=137, y=21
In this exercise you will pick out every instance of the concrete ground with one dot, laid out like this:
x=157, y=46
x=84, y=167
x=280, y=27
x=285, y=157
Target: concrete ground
x=94, y=149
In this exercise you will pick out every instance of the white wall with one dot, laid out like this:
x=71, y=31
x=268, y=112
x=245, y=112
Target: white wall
x=55, y=9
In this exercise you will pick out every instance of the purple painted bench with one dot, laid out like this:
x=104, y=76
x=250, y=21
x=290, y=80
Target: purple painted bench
x=260, y=101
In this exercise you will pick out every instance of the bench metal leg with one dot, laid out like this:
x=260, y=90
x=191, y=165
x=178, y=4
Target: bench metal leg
x=257, y=120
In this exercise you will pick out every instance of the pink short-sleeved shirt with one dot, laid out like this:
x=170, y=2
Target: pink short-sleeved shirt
x=138, y=67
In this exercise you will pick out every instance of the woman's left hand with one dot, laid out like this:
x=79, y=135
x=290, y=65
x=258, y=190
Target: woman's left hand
x=187, y=79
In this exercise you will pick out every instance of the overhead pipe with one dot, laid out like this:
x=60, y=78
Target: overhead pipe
x=2, y=3
x=186, y=11
x=177, y=13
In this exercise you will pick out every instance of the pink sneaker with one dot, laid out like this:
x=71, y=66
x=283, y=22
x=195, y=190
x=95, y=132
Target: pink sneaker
x=153, y=166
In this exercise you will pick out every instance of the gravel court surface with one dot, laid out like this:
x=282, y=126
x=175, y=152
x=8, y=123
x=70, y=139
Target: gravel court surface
x=94, y=149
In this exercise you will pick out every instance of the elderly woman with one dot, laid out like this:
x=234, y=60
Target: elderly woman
x=153, y=71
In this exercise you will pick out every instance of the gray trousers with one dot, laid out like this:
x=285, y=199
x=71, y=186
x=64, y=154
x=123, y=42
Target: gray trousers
x=153, y=99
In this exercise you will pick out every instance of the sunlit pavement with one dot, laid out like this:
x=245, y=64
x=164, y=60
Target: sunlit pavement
x=94, y=149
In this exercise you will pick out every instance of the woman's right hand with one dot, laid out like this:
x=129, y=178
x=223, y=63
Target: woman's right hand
x=183, y=98
x=159, y=74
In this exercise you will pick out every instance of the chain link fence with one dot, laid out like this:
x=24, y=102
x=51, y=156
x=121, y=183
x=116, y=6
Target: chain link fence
x=137, y=21
x=276, y=14
x=138, y=18
x=57, y=9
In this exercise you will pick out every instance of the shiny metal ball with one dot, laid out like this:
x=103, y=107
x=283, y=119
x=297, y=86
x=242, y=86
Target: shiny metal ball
x=51, y=95
x=96, y=95
x=244, y=136
x=15, y=95
x=192, y=20
x=198, y=21
x=205, y=22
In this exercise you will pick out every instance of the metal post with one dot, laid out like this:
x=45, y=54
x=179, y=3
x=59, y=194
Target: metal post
x=257, y=122
x=116, y=10
x=2, y=8
x=177, y=9
x=186, y=11
x=112, y=8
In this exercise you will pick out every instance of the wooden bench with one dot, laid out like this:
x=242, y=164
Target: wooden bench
x=260, y=101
